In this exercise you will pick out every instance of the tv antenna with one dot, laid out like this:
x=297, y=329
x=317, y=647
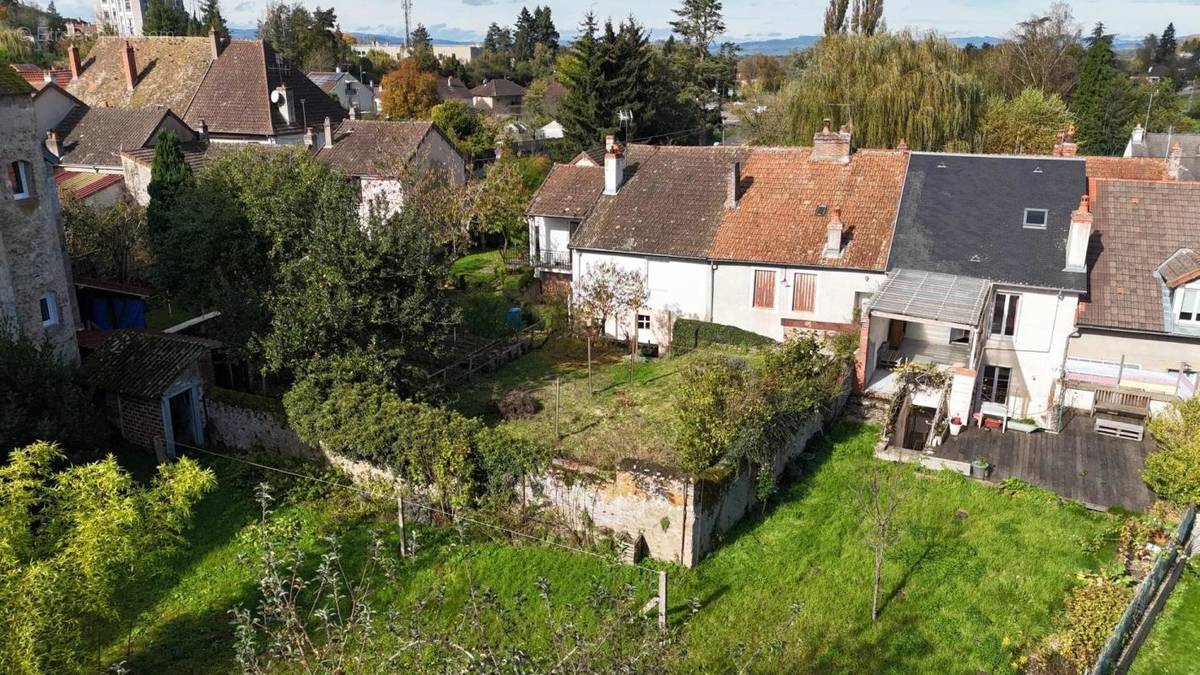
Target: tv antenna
x=625, y=118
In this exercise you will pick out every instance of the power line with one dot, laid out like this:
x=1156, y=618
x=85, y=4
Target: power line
x=427, y=507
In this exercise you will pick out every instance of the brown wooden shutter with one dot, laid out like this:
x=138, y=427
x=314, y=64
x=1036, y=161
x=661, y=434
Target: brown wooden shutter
x=804, y=292
x=764, y=288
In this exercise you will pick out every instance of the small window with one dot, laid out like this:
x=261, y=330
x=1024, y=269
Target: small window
x=822, y=210
x=995, y=384
x=643, y=321
x=18, y=179
x=1004, y=315
x=1189, y=305
x=764, y=288
x=959, y=336
x=1035, y=219
x=804, y=293
x=49, y=307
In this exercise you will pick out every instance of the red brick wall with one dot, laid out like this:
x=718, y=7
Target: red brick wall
x=141, y=420
x=553, y=282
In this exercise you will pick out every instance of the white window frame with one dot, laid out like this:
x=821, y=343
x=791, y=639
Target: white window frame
x=1016, y=319
x=647, y=322
x=20, y=172
x=1188, y=294
x=48, y=307
x=1034, y=226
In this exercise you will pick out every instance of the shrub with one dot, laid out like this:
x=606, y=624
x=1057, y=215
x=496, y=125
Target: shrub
x=41, y=398
x=1173, y=471
x=517, y=404
x=690, y=334
x=242, y=399
x=1093, y=611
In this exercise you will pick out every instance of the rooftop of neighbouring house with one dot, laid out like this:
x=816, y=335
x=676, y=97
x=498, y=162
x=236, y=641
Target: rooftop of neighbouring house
x=995, y=217
x=38, y=77
x=230, y=94
x=95, y=137
x=12, y=84
x=1158, y=146
x=375, y=147
x=498, y=87
x=1145, y=239
x=142, y=363
x=569, y=191
x=451, y=87
x=84, y=184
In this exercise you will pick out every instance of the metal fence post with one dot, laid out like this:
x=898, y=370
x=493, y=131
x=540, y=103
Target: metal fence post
x=400, y=520
x=662, y=600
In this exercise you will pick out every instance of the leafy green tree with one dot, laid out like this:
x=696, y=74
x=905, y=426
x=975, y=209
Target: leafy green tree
x=707, y=415
x=41, y=398
x=310, y=40
x=169, y=175
x=421, y=46
x=1027, y=124
x=898, y=86
x=464, y=126
x=524, y=36
x=109, y=242
x=1173, y=470
x=408, y=91
x=211, y=19
x=1102, y=104
x=581, y=71
x=164, y=18
x=500, y=207
x=698, y=24
x=544, y=32
x=73, y=544
x=498, y=40
x=1166, y=109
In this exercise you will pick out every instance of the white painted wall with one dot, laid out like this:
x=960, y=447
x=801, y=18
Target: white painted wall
x=1148, y=353
x=677, y=288
x=1036, y=352
x=733, y=300
x=547, y=233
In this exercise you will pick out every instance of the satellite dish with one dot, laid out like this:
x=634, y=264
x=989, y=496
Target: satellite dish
x=277, y=96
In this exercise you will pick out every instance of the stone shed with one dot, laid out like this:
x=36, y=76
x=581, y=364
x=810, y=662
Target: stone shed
x=153, y=385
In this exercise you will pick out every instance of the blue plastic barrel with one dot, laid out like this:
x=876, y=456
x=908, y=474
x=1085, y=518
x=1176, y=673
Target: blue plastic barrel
x=515, y=318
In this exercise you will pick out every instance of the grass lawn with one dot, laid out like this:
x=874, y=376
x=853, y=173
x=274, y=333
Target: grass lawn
x=1173, y=647
x=789, y=591
x=614, y=421
x=160, y=318
x=478, y=268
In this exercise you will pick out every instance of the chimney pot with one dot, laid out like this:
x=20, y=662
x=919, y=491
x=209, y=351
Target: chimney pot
x=214, y=41
x=735, y=179
x=53, y=144
x=833, y=235
x=73, y=60
x=831, y=146
x=130, y=66
x=328, y=132
x=1078, y=236
x=1175, y=160
x=902, y=145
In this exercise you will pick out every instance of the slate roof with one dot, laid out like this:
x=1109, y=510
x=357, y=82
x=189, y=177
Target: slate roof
x=326, y=80
x=569, y=191
x=963, y=215
x=374, y=147
x=452, y=88
x=1158, y=145
x=1137, y=227
x=498, y=87
x=671, y=203
x=787, y=202
x=170, y=70
x=12, y=84
x=142, y=363
x=96, y=136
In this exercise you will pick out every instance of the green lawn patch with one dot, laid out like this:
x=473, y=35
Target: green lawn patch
x=161, y=316
x=601, y=423
x=1173, y=647
x=478, y=268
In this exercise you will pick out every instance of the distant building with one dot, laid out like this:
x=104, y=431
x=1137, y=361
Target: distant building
x=124, y=17
x=464, y=53
x=499, y=96
x=1180, y=151
x=451, y=88
x=351, y=93
x=35, y=287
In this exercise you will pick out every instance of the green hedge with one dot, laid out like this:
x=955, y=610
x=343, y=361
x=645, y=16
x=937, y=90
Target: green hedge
x=690, y=334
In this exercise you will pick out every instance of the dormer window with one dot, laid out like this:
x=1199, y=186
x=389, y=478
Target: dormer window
x=1187, y=304
x=1035, y=219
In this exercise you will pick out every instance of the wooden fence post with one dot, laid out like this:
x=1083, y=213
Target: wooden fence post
x=400, y=520
x=662, y=600
x=557, y=398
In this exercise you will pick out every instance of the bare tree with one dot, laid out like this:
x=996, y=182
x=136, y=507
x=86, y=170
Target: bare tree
x=596, y=297
x=835, y=16
x=867, y=17
x=1039, y=52
x=879, y=497
x=633, y=294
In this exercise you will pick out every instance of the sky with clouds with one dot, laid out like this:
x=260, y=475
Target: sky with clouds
x=745, y=19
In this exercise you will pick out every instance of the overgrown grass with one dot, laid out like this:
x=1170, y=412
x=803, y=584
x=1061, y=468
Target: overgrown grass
x=602, y=422
x=477, y=268
x=977, y=579
x=1173, y=647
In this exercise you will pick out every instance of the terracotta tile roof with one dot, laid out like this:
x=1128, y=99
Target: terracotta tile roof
x=374, y=147
x=96, y=136
x=37, y=77
x=1181, y=268
x=12, y=84
x=196, y=154
x=779, y=217
x=142, y=363
x=170, y=70
x=569, y=191
x=1131, y=168
x=84, y=184
x=671, y=203
x=452, y=88
x=1138, y=226
x=498, y=87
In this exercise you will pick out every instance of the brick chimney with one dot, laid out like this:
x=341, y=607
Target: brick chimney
x=1066, y=145
x=1078, y=236
x=1175, y=160
x=614, y=165
x=328, y=133
x=735, y=179
x=833, y=235
x=202, y=131
x=902, y=145
x=214, y=42
x=53, y=144
x=73, y=61
x=309, y=140
x=1138, y=135
x=130, y=66
x=831, y=146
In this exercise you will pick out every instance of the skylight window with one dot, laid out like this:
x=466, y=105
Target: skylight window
x=822, y=210
x=1035, y=219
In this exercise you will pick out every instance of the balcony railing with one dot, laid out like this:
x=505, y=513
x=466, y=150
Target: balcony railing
x=552, y=260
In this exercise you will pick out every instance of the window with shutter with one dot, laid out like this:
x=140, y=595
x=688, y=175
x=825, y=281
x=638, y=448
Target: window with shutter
x=764, y=288
x=804, y=292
